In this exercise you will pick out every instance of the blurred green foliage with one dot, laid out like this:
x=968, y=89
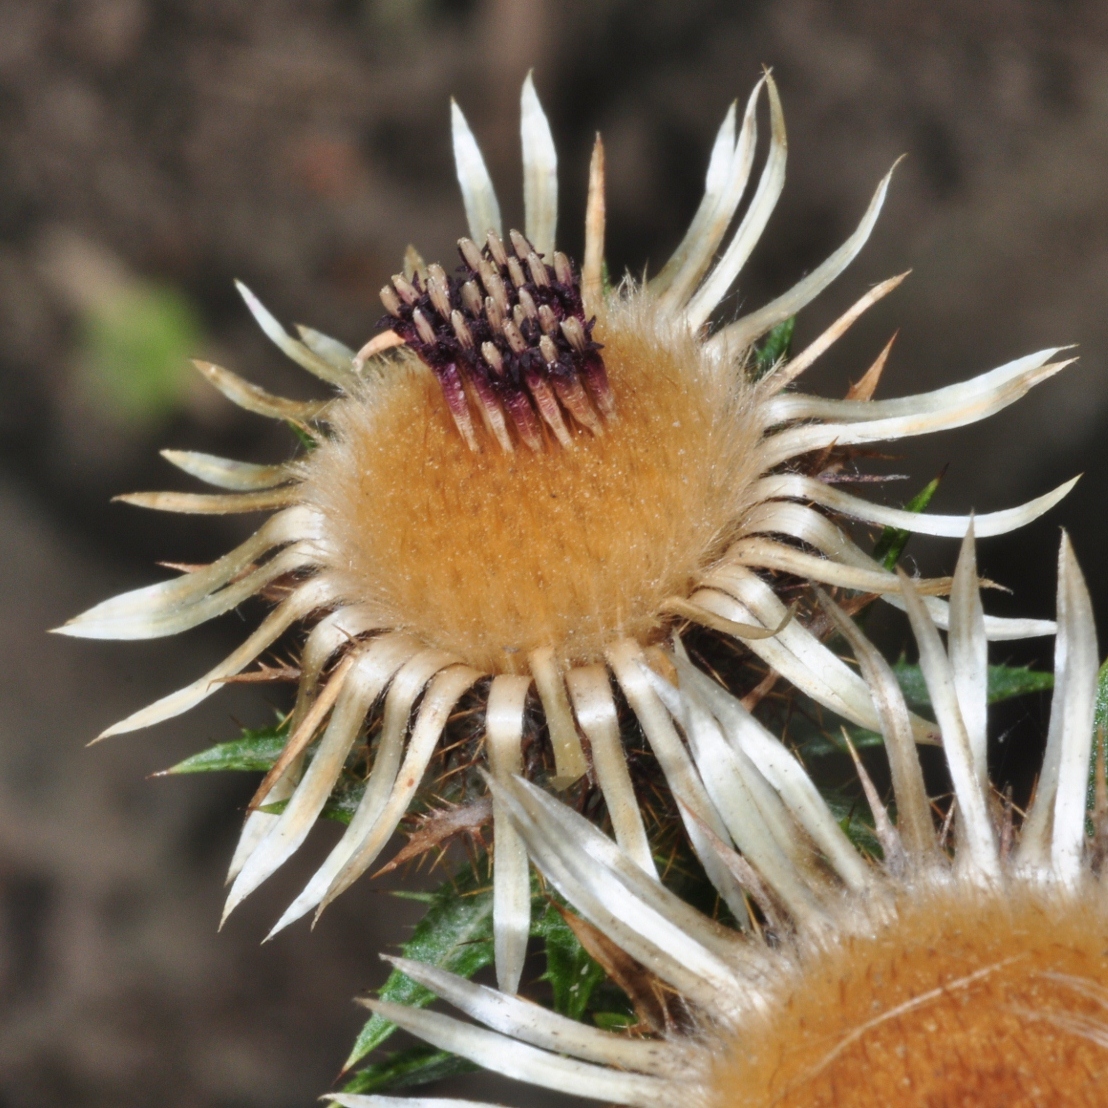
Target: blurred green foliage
x=135, y=348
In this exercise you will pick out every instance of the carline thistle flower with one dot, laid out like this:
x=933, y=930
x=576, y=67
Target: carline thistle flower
x=971, y=974
x=533, y=478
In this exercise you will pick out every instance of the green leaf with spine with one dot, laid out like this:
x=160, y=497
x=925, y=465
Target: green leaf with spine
x=1100, y=734
x=572, y=974
x=1100, y=714
x=847, y=804
x=455, y=934
x=1004, y=683
x=854, y=818
x=774, y=347
x=817, y=743
x=418, y=1065
x=340, y=807
x=306, y=440
x=892, y=540
x=254, y=751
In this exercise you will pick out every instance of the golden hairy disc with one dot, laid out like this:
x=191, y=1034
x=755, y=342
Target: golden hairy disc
x=966, y=999
x=491, y=555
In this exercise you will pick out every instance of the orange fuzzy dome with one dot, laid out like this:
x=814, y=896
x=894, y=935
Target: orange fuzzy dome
x=968, y=998
x=492, y=555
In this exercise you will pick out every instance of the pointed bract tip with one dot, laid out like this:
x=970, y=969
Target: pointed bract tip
x=776, y=114
x=892, y=168
x=228, y=908
x=251, y=300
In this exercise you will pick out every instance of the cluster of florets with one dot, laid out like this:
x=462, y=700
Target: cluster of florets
x=508, y=332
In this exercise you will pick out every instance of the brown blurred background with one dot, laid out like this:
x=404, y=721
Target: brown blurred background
x=153, y=150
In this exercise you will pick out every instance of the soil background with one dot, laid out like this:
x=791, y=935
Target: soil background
x=165, y=147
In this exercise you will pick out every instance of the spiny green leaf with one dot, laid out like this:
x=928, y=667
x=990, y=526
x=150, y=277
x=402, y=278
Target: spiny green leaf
x=854, y=818
x=340, y=807
x=344, y=801
x=774, y=348
x=820, y=745
x=1005, y=682
x=1100, y=716
x=256, y=752
x=571, y=972
x=892, y=540
x=1100, y=727
x=307, y=441
x=455, y=934
x=419, y=1065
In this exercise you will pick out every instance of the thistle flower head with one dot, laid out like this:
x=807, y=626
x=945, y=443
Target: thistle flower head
x=533, y=478
x=967, y=967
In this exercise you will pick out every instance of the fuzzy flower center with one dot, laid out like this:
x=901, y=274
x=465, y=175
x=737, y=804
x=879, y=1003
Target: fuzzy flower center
x=491, y=555
x=967, y=998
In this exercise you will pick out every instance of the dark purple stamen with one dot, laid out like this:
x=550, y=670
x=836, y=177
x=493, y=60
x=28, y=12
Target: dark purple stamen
x=513, y=330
